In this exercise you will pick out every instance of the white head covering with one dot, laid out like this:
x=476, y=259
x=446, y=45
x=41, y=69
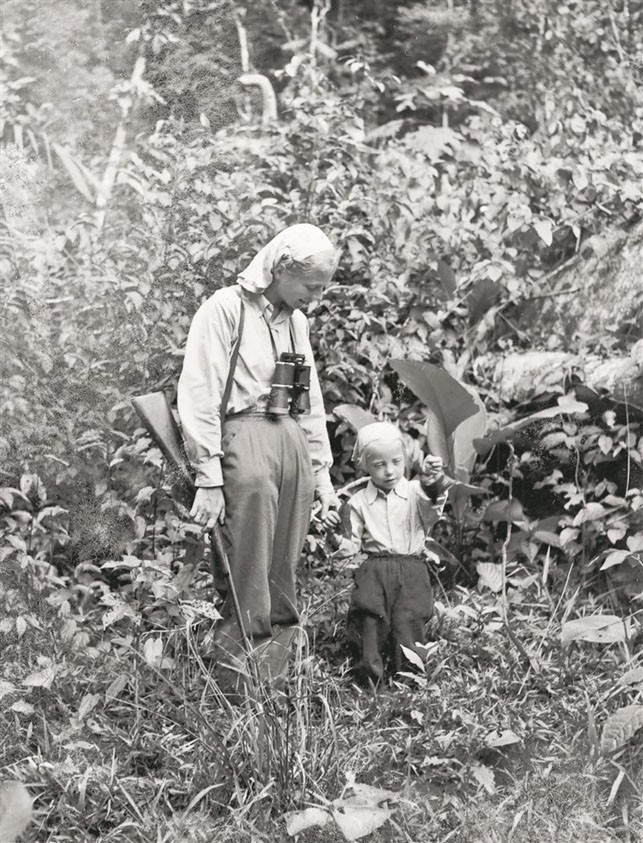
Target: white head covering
x=371, y=434
x=299, y=242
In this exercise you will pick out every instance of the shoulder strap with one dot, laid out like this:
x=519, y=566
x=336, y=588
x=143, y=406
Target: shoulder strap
x=233, y=364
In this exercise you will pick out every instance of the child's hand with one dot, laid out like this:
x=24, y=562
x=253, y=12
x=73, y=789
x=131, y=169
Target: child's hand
x=432, y=469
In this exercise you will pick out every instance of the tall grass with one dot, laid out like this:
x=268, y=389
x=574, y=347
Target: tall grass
x=118, y=750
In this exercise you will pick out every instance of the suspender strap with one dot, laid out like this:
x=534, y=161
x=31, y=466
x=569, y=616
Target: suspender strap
x=233, y=365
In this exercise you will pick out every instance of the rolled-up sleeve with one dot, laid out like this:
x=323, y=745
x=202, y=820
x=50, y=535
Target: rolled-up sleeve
x=201, y=385
x=314, y=423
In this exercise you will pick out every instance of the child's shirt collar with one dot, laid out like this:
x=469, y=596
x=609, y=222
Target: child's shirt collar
x=401, y=489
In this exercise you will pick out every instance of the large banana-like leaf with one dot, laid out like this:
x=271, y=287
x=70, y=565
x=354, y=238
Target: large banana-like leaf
x=462, y=447
x=443, y=394
x=354, y=415
x=448, y=403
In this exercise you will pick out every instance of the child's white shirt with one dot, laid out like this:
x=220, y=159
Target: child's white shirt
x=397, y=522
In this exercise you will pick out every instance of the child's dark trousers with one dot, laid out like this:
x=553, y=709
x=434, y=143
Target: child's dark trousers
x=391, y=603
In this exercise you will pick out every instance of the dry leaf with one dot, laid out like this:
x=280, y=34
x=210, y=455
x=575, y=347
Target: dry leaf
x=355, y=821
x=620, y=727
x=298, y=821
x=499, y=738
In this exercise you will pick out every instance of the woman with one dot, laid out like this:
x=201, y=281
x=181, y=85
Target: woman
x=257, y=471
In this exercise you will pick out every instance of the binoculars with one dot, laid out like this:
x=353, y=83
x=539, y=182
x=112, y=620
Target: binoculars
x=290, y=388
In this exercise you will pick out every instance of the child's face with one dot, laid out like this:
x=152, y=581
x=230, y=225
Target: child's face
x=385, y=464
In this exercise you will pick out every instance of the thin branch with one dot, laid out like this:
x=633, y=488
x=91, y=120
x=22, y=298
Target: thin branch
x=243, y=41
x=118, y=146
x=505, y=611
x=269, y=98
x=617, y=40
x=317, y=17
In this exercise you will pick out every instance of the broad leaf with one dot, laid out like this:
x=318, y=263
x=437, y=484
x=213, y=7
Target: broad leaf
x=490, y=576
x=438, y=391
x=447, y=402
x=41, y=679
x=353, y=415
x=481, y=297
x=615, y=558
x=504, y=511
x=485, y=776
x=87, y=705
x=77, y=171
x=355, y=821
x=447, y=277
x=153, y=654
x=153, y=651
x=6, y=688
x=461, y=492
x=473, y=427
x=543, y=228
x=298, y=821
x=567, y=405
x=597, y=629
x=116, y=686
x=413, y=657
x=23, y=707
x=436, y=439
x=504, y=737
x=620, y=727
x=365, y=794
x=632, y=677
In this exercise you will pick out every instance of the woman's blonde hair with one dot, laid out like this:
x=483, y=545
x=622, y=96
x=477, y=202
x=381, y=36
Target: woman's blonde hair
x=321, y=261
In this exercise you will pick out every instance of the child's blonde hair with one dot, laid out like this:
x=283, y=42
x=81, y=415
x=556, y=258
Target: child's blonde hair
x=373, y=434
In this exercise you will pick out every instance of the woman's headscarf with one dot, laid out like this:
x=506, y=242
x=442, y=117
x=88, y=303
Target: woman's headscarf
x=372, y=434
x=298, y=242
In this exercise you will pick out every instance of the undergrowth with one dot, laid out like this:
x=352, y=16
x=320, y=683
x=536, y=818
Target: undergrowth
x=123, y=741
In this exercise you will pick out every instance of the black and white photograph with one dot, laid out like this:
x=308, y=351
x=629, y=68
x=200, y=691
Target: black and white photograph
x=321, y=421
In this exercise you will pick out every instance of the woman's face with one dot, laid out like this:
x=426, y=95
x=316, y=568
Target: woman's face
x=295, y=288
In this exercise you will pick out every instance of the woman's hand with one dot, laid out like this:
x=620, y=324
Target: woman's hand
x=208, y=507
x=329, y=515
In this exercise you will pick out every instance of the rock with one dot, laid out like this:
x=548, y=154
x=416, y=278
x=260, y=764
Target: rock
x=521, y=377
x=622, y=377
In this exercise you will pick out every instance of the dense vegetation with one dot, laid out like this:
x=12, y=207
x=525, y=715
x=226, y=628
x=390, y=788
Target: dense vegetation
x=468, y=158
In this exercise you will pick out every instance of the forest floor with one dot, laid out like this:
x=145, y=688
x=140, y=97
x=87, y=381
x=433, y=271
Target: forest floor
x=483, y=746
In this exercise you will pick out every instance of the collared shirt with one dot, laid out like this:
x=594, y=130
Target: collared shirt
x=397, y=522
x=211, y=339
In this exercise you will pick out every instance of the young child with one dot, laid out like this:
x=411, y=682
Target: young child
x=390, y=518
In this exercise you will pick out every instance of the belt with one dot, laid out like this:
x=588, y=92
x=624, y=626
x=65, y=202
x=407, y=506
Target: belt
x=255, y=413
x=385, y=555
